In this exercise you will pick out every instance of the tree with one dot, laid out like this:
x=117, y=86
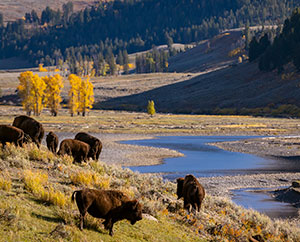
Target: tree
x=126, y=62
x=54, y=84
x=24, y=91
x=32, y=90
x=151, y=108
x=1, y=19
x=74, y=93
x=37, y=92
x=86, y=96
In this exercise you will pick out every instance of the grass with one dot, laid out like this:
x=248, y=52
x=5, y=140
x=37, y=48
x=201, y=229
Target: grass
x=37, y=206
x=142, y=123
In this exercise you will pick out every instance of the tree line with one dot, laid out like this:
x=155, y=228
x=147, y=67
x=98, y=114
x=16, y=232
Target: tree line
x=38, y=92
x=131, y=25
x=283, y=49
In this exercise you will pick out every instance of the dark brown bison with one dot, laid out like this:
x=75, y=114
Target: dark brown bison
x=95, y=144
x=78, y=149
x=31, y=127
x=52, y=141
x=11, y=134
x=192, y=192
x=110, y=205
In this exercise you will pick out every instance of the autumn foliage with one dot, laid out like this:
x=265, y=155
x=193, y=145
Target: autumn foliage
x=37, y=92
x=31, y=90
x=54, y=85
x=81, y=95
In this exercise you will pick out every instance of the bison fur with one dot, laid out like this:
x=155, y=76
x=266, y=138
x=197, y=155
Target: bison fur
x=95, y=144
x=78, y=149
x=31, y=127
x=111, y=205
x=11, y=134
x=192, y=192
x=52, y=141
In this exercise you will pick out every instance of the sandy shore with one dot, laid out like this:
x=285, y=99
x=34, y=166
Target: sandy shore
x=132, y=155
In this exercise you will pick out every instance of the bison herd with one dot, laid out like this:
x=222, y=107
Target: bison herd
x=111, y=205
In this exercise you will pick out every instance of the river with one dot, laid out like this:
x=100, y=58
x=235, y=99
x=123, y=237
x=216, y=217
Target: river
x=204, y=160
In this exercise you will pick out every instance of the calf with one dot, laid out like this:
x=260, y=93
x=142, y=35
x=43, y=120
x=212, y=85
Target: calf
x=111, y=205
x=11, y=134
x=52, y=141
x=95, y=144
x=192, y=192
x=78, y=149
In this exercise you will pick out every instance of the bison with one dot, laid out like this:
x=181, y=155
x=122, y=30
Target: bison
x=111, y=205
x=31, y=127
x=192, y=192
x=95, y=144
x=52, y=141
x=78, y=149
x=11, y=134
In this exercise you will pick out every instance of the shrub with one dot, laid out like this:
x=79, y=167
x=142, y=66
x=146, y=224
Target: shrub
x=5, y=181
x=89, y=178
x=34, y=181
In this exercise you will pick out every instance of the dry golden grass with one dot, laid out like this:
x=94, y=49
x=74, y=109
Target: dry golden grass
x=5, y=181
x=219, y=219
x=132, y=122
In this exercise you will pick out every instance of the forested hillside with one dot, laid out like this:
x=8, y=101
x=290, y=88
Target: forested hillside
x=131, y=25
x=282, y=51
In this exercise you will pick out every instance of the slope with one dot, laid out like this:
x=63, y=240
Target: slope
x=223, y=83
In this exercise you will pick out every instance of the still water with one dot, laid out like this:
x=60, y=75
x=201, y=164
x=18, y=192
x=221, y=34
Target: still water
x=204, y=160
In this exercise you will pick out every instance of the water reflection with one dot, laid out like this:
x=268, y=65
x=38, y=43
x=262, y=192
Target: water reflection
x=261, y=200
x=202, y=159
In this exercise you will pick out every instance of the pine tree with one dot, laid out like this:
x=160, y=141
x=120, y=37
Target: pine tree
x=126, y=62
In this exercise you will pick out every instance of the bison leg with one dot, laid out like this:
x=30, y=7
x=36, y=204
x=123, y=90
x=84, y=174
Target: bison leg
x=82, y=216
x=108, y=224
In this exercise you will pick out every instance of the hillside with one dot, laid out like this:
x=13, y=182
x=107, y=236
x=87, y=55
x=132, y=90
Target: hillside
x=35, y=204
x=106, y=28
x=13, y=10
x=222, y=84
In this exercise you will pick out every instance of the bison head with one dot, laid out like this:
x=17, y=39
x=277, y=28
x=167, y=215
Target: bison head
x=180, y=187
x=134, y=209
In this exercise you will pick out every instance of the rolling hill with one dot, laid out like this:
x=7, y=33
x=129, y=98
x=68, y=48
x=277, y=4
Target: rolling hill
x=220, y=83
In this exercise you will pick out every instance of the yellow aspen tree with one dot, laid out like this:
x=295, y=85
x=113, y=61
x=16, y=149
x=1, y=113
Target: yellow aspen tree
x=42, y=68
x=151, y=108
x=37, y=92
x=86, y=96
x=74, y=93
x=24, y=91
x=54, y=85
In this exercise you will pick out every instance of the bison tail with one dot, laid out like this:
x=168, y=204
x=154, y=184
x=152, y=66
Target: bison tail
x=73, y=195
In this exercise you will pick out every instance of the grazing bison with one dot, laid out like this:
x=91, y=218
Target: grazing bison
x=95, y=144
x=110, y=205
x=11, y=134
x=192, y=192
x=52, y=142
x=31, y=127
x=78, y=149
